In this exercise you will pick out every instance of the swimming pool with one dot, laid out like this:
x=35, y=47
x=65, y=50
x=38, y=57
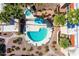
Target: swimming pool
x=37, y=36
x=39, y=20
x=28, y=12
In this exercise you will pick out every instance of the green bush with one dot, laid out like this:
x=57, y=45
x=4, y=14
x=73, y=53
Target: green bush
x=64, y=42
x=73, y=16
x=59, y=19
x=11, y=11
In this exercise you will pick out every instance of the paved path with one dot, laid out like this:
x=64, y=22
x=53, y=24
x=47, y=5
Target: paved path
x=54, y=37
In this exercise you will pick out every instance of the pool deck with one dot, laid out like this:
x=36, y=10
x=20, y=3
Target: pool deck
x=31, y=26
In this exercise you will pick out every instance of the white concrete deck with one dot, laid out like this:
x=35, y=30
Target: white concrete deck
x=34, y=23
x=31, y=26
x=31, y=17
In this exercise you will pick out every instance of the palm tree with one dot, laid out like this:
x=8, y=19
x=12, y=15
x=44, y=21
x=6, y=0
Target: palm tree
x=40, y=53
x=9, y=50
x=31, y=48
x=24, y=49
x=73, y=16
x=17, y=48
x=4, y=17
x=11, y=10
x=59, y=20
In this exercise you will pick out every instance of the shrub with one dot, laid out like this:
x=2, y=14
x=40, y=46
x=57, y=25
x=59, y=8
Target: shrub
x=64, y=42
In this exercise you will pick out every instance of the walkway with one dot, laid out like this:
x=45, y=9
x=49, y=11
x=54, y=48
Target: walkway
x=54, y=38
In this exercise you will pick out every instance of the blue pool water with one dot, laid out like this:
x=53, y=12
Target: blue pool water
x=28, y=12
x=39, y=20
x=37, y=35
